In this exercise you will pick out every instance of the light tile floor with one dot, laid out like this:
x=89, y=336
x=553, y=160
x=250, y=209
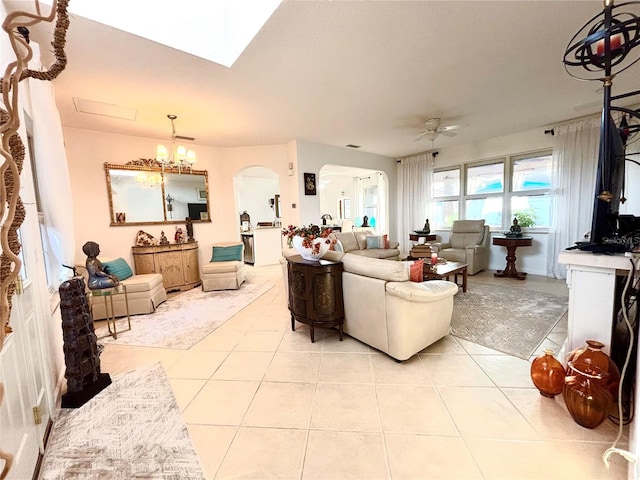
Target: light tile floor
x=261, y=401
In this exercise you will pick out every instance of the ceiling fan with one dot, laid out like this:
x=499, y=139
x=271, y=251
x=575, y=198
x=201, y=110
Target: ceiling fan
x=433, y=128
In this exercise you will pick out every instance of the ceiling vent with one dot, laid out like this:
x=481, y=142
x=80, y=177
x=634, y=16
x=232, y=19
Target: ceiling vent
x=351, y=145
x=182, y=137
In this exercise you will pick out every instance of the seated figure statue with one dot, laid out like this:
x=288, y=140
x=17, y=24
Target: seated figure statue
x=515, y=229
x=98, y=278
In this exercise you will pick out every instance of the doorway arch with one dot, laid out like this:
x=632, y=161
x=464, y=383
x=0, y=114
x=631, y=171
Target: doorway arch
x=257, y=191
x=350, y=193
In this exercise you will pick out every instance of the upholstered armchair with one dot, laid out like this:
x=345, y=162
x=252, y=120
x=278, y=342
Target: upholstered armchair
x=469, y=243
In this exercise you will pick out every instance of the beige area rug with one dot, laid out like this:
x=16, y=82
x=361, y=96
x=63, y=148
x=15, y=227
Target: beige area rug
x=511, y=320
x=132, y=429
x=183, y=320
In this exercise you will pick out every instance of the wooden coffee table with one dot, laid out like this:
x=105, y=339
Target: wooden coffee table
x=445, y=270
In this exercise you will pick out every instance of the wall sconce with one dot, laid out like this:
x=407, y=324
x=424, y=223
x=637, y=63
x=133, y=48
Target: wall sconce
x=290, y=170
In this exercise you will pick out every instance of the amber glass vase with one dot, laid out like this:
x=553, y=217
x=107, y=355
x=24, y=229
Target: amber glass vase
x=547, y=374
x=584, y=394
x=592, y=354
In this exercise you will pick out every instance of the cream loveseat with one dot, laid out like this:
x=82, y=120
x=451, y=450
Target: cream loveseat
x=387, y=311
x=144, y=293
x=356, y=243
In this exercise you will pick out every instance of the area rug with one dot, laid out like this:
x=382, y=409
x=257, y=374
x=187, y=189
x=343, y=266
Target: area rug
x=185, y=319
x=132, y=429
x=511, y=320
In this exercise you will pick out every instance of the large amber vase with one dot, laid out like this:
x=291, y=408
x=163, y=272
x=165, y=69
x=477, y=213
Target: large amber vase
x=592, y=354
x=584, y=394
x=547, y=374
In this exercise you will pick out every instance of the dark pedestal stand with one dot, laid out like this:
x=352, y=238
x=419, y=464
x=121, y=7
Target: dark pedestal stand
x=81, y=355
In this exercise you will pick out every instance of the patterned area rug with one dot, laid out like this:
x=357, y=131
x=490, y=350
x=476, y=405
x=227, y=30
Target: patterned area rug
x=132, y=429
x=510, y=320
x=183, y=320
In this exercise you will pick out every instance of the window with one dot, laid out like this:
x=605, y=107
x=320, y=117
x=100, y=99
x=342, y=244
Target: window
x=495, y=190
x=530, y=187
x=446, y=193
x=484, y=192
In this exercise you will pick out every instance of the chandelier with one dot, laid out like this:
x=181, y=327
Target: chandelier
x=179, y=156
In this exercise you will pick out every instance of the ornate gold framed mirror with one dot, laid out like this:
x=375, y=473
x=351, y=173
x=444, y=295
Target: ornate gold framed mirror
x=143, y=192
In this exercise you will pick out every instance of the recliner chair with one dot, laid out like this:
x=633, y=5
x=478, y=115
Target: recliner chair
x=470, y=243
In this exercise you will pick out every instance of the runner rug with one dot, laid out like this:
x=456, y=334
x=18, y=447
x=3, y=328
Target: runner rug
x=183, y=320
x=131, y=429
x=511, y=320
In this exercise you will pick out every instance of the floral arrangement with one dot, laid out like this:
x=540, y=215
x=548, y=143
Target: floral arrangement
x=308, y=235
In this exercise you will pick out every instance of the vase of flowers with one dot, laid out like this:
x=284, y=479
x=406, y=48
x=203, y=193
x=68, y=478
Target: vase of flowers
x=310, y=242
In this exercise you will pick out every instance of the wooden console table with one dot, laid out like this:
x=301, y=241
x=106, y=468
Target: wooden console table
x=512, y=243
x=315, y=293
x=176, y=262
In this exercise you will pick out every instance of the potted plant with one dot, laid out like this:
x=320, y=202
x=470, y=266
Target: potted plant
x=526, y=218
x=311, y=242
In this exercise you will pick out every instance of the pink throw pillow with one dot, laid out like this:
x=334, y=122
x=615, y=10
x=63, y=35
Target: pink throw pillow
x=415, y=271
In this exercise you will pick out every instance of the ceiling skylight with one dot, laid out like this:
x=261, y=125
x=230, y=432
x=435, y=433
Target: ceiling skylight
x=217, y=30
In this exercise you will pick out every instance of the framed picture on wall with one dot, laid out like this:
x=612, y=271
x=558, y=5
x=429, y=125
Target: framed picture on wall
x=309, y=183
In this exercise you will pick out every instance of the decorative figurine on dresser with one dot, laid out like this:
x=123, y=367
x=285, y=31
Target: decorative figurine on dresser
x=179, y=236
x=189, y=227
x=163, y=238
x=427, y=227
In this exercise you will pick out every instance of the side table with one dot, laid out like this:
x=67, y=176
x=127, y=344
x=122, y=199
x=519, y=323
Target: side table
x=315, y=293
x=107, y=294
x=428, y=237
x=512, y=243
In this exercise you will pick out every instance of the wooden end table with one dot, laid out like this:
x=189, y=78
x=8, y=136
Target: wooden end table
x=429, y=237
x=444, y=271
x=315, y=293
x=511, y=243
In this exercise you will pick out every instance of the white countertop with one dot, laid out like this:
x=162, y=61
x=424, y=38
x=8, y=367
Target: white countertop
x=617, y=261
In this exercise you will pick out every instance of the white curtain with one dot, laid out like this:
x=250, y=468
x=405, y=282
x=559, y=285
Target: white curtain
x=575, y=163
x=53, y=174
x=414, y=189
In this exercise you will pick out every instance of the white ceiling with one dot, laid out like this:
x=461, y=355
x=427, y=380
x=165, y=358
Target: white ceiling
x=367, y=73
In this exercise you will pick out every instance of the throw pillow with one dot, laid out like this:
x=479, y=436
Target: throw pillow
x=375, y=241
x=118, y=267
x=226, y=254
x=415, y=271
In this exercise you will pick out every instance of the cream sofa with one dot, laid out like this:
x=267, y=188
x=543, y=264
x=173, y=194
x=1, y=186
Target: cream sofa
x=355, y=242
x=470, y=243
x=144, y=293
x=387, y=311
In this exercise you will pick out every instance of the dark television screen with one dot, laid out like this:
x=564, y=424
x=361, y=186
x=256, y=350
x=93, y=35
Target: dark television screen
x=195, y=209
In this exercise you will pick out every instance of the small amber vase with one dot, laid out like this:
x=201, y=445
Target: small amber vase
x=547, y=374
x=584, y=395
x=592, y=354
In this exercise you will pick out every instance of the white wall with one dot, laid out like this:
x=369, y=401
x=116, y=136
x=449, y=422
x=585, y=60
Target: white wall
x=532, y=259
